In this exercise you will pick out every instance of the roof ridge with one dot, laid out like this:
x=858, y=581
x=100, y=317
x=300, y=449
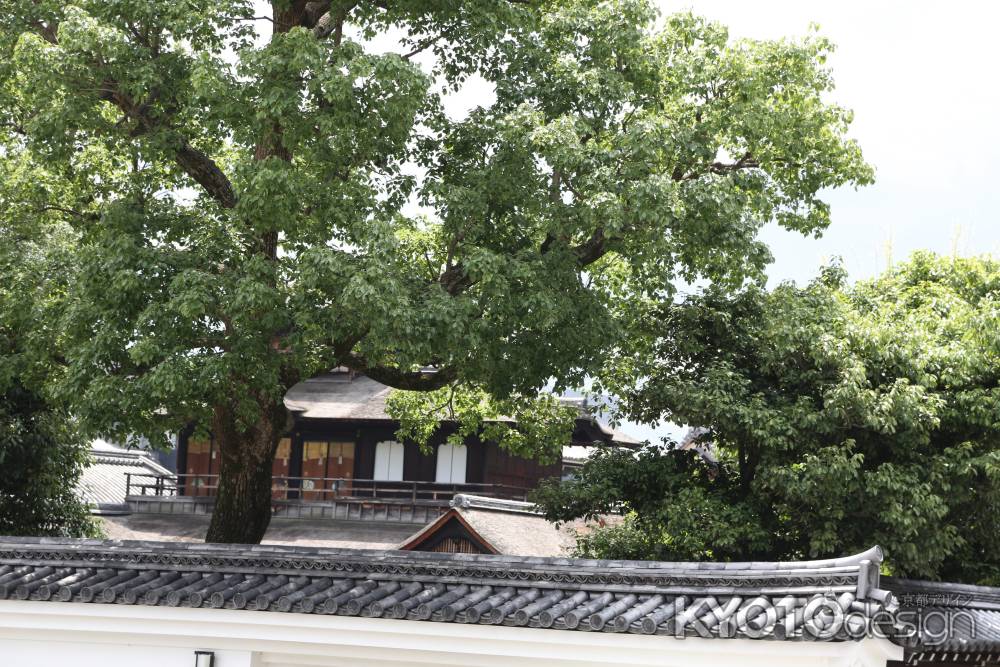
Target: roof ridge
x=468, y=501
x=698, y=599
x=945, y=594
x=773, y=578
x=873, y=554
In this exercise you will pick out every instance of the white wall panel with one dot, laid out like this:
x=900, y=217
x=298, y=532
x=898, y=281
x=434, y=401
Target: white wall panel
x=451, y=464
x=389, y=461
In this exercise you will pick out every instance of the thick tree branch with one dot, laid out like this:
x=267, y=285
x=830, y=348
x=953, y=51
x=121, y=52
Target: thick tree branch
x=192, y=161
x=48, y=31
x=592, y=249
x=287, y=14
x=455, y=279
x=206, y=173
x=587, y=252
x=314, y=12
x=745, y=162
x=326, y=20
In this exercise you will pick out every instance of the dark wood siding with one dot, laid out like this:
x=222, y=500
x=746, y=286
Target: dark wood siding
x=475, y=472
x=357, y=433
x=417, y=465
x=509, y=470
x=486, y=462
x=364, y=455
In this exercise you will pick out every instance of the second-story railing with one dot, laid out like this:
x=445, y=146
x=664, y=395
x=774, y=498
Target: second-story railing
x=320, y=489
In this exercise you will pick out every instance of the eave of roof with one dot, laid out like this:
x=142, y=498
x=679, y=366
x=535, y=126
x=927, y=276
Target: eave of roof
x=559, y=593
x=127, y=457
x=343, y=396
x=338, y=396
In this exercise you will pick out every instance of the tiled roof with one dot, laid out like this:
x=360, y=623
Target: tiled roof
x=341, y=395
x=510, y=527
x=956, y=622
x=707, y=599
x=102, y=484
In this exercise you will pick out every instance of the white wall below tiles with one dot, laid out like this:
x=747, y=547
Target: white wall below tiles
x=52, y=634
x=32, y=653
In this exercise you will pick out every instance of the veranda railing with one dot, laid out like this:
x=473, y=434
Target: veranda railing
x=319, y=489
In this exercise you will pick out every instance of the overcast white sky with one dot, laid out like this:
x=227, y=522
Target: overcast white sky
x=922, y=79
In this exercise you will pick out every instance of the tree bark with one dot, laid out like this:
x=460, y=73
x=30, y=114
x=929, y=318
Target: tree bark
x=243, y=498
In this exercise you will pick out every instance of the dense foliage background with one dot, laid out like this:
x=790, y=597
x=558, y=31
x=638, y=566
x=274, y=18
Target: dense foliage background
x=42, y=452
x=41, y=458
x=836, y=417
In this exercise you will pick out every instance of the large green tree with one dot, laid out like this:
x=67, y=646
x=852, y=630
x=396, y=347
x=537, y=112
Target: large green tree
x=259, y=200
x=839, y=416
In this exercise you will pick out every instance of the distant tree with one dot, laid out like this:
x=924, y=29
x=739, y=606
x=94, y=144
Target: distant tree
x=41, y=459
x=256, y=206
x=42, y=452
x=841, y=416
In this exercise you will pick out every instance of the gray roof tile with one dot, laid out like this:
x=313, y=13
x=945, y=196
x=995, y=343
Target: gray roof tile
x=559, y=593
x=103, y=483
x=972, y=612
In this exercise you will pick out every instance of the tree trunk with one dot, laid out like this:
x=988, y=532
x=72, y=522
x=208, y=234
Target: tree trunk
x=243, y=498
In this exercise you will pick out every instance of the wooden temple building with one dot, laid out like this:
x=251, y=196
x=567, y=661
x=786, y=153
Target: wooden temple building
x=343, y=444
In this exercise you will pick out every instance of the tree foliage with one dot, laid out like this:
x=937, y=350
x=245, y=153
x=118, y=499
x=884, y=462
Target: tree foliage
x=258, y=206
x=841, y=416
x=42, y=452
x=41, y=459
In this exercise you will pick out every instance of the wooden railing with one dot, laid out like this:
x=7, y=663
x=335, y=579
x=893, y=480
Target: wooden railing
x=319, y=489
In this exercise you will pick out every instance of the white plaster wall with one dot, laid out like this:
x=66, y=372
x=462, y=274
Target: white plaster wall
x=47, y=634
x=34, y=653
